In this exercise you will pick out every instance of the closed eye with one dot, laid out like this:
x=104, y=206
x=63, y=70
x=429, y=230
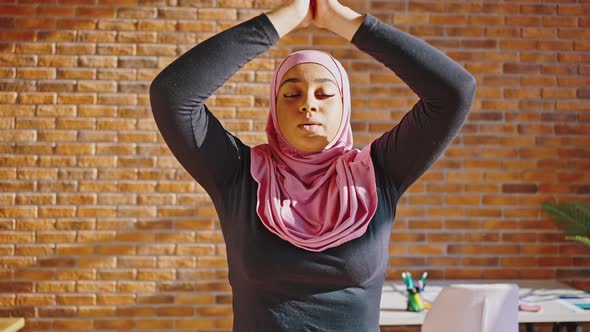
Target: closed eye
x=319, y=95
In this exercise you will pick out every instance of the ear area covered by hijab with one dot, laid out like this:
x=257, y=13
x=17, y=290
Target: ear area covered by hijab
x=315, y=200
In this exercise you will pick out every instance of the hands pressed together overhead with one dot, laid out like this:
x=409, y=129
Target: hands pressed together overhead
x=317, y=12
x=327, y=14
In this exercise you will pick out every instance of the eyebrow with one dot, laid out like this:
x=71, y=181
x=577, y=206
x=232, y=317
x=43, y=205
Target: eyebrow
x=317, y=80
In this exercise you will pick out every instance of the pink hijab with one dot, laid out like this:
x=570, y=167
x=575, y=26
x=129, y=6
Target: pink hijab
x=315, y=200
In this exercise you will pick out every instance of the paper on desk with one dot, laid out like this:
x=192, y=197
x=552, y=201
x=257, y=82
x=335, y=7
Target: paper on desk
x=577, y=305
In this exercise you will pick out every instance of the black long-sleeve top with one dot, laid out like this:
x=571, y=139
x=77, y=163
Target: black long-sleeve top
x=275, y=285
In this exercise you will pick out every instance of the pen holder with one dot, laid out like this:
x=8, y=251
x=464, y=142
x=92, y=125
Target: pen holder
x=415, y=302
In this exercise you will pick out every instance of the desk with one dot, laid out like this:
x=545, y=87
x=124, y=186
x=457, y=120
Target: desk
x=11, y=324
x=543, y=292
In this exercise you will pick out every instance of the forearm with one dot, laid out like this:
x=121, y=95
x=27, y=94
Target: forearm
x=343, y=21
x=193, y=77
x=446, y=92
x=287, y=18
x=432, y=75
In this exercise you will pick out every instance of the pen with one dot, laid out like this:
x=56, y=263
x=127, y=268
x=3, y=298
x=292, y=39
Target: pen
x=421, y=283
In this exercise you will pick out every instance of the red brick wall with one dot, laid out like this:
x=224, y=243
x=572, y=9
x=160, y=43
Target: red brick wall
x=100, y=229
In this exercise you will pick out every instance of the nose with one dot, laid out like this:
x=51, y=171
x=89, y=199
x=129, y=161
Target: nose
x=309, y=104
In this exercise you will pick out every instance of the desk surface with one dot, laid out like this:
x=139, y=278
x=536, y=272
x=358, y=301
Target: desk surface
x=543, y=292
x=11, y=324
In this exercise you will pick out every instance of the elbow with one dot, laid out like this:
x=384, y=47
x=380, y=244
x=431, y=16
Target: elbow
x=470, y=86
x=155, y=88
x=157, y=94
x=464, y=91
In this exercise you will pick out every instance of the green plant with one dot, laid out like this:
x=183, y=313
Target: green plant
x=573, y=218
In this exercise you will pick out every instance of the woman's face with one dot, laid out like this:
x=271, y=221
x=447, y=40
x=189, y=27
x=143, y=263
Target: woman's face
x=309, y=107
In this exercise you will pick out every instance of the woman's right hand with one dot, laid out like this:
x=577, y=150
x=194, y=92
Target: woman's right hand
x=304, y=6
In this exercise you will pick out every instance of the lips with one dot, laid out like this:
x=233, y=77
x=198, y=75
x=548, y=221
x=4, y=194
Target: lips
x=310, y=126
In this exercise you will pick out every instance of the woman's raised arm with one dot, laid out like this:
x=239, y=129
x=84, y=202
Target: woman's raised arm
x=445, y=88
x=196, y=138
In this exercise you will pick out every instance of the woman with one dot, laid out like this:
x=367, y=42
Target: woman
x=306, y=218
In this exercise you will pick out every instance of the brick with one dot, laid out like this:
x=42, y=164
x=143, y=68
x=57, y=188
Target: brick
x=34, y=48
x=487, y=21
x=572, y=129
x=114, y=324
x=480, y=261
x=123, y=311
x=157, y=299
x=137, y=37
x=133, y=12
x=501, y=32
x=17, y=10
x=75, y=73
x=515, y=68
x=8, y=97
x=449, y=19
x=176, y=262
x=7, y=300
x=115, y=299
x=117, y=25
x=182, y=13
x=73, y=324
x=155, y=274
x=214, y=311
x=55, y=11
x=76, y=24
x=560, y=93
x=74, y=249
x=96, y=36
x=137, y=62
x=96, y=86
x=7, y=22
x=95, y=286
x=56, y=36
x=32, y=250
x=7, y=73
x=97, y=61
x=196, y=26
x=149, y=324
x=555, y=45
x=105, y=12
x=57, y=312
x=36, y=98
x=236, y=3
x=195, y=324
x=566, y=9
x=217, y=14
x=136, y=286
x=75, y=48
x=116, y=74
x=55, y=86
x=35, y=300
x=76, y=274
x=116, y=49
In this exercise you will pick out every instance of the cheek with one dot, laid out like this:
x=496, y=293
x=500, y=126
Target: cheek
x=283, y=117
x=335, y=114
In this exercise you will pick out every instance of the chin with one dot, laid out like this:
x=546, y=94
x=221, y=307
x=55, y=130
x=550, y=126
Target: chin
x=315, y=146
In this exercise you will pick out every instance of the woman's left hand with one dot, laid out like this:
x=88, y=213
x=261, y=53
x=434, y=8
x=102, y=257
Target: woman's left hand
x=323, y=11
x=334, y=16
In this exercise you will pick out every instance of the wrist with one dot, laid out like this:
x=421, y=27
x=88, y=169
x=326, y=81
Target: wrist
x=286, y=18
x=345, y=21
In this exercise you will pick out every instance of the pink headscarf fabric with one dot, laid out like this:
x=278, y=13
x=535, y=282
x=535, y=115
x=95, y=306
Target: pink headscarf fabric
x=314, y=200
